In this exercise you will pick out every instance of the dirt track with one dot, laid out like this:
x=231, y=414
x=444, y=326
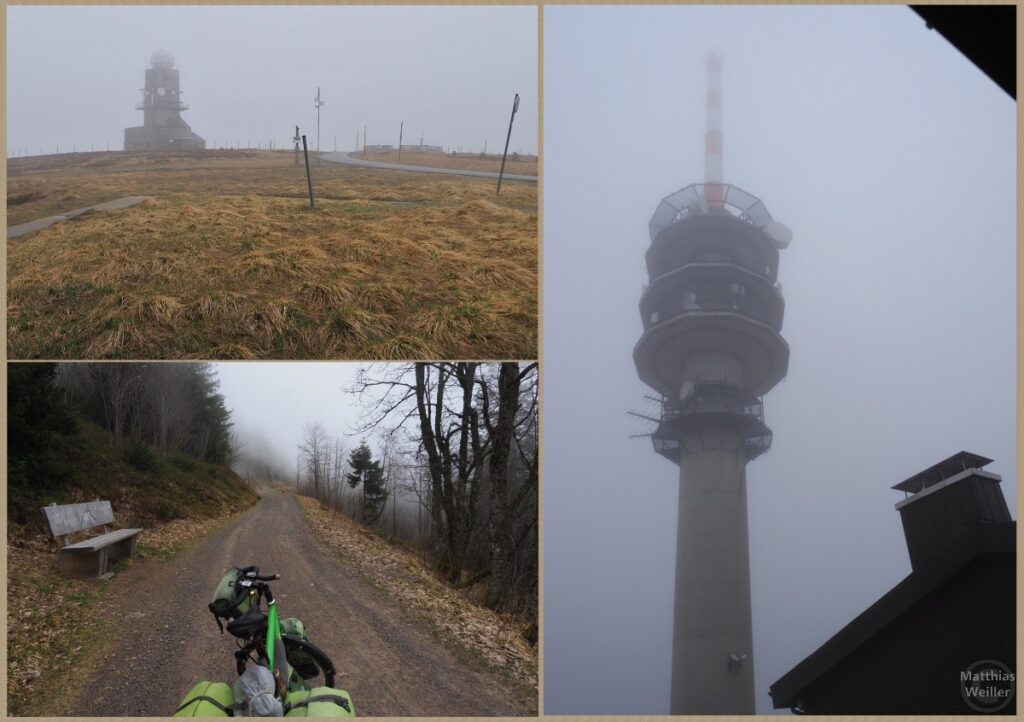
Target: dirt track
x=389, y=663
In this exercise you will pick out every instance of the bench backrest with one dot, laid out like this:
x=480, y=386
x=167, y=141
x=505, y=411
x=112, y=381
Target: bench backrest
x=69, y=518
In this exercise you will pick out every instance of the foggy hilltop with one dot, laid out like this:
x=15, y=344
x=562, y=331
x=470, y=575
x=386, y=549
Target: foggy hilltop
x=249, y=75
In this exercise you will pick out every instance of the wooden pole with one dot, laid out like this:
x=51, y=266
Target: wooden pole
x=364, y=141
x=309, y=177
x=400, y=129
x=515, y=107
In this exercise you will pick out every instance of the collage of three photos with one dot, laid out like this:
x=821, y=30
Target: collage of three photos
x=460, y=422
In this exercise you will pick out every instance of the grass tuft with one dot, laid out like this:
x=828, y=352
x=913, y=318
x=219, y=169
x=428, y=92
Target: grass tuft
x=228, y=262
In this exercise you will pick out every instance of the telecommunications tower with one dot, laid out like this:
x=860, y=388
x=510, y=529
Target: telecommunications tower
x=711, y=347
x=162, y=127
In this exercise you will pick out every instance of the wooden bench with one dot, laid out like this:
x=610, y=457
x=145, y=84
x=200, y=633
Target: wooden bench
x=88, y=559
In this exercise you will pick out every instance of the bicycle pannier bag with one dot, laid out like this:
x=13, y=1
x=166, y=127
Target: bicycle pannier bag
x=319, y=702
x=230, y=600
x=207, y=699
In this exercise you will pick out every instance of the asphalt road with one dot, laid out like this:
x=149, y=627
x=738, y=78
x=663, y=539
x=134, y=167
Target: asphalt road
x=386, y=659
x=349, y=159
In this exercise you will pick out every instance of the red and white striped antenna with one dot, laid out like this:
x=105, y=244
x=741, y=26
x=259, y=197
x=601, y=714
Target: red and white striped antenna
x=714, y=191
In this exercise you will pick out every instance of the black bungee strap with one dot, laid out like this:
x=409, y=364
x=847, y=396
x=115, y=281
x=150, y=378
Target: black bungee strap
x=336, y=699
x=229, y=711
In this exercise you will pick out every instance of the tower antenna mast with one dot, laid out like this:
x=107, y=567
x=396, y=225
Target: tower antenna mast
x=714, y=191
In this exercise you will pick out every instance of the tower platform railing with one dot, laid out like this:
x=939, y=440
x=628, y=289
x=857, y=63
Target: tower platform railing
x=777, y=285
x=693, y=200
x=707, y=403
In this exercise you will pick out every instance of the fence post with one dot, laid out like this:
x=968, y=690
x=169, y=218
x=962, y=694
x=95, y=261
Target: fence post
x=501, y=173
x=309, y=178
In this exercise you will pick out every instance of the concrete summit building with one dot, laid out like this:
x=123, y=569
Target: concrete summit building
x=162, y=127
x=711, y=347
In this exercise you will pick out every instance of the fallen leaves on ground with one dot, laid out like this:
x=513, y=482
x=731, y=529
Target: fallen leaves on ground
x=53, y=625
x=402, y=575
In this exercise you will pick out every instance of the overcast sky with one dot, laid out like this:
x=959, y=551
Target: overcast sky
x=250, y=73
x=271, y=402
x=892, y=158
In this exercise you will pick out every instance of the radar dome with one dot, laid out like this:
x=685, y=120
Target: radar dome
x=780, y=234
x=161, y=59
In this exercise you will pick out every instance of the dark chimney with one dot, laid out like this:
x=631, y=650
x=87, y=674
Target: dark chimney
x=946, y=502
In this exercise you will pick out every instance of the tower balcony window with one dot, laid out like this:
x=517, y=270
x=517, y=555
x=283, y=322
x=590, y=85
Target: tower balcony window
x=715, y=296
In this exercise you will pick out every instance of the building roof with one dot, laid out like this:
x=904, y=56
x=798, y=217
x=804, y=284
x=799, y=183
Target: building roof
x=986, y=34
x=981, y=539
x=946, y=468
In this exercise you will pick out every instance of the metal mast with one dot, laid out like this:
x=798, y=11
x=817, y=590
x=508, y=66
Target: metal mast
x=319, y=104
x=713, y=134
x=712, y=316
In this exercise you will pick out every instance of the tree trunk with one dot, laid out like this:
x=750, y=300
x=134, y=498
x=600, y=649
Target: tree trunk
x=502, y=545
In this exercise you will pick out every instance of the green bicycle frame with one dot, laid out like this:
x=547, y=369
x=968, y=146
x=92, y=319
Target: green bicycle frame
x=277, y=660
x=273, y=631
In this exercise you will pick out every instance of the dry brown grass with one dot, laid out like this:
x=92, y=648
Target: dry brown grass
x=229, y=262
x=514, y=165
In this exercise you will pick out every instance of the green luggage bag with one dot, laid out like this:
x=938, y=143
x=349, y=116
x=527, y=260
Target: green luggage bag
x=319, y=702
x=301, y=661
x=207, y=699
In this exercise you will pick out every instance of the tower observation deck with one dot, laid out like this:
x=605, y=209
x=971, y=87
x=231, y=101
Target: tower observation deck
x=711, y=346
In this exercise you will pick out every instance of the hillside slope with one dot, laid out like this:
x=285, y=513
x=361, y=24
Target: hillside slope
x=229, y=261
x=143, y=487
x=53, y=625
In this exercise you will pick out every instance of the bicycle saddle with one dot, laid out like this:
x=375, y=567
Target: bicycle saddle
x=251, y=623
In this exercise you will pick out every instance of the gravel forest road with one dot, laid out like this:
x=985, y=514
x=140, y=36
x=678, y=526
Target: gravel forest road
x=386, y=659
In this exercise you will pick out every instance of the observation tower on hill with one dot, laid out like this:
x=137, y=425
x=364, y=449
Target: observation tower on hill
x=162, y=127
x=711, y=347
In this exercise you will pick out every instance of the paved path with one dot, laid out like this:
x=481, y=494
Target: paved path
x=348, y=159
x=39, y=224
x=388, y=660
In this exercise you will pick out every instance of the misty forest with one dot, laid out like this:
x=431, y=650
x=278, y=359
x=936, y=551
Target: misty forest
x=432, y=495
x=454, y=473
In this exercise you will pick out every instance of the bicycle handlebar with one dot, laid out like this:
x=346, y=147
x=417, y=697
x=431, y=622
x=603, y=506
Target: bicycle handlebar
x=253, y=572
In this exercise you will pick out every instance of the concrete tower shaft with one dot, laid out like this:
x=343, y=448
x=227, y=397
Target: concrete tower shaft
x=712, y=669
x=712, y=315
x=161, y=103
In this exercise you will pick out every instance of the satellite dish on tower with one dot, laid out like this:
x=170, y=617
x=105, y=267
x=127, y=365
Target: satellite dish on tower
x=780, y=234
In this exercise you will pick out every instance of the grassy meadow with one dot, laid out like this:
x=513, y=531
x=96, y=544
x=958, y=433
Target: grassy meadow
x=229, y=261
